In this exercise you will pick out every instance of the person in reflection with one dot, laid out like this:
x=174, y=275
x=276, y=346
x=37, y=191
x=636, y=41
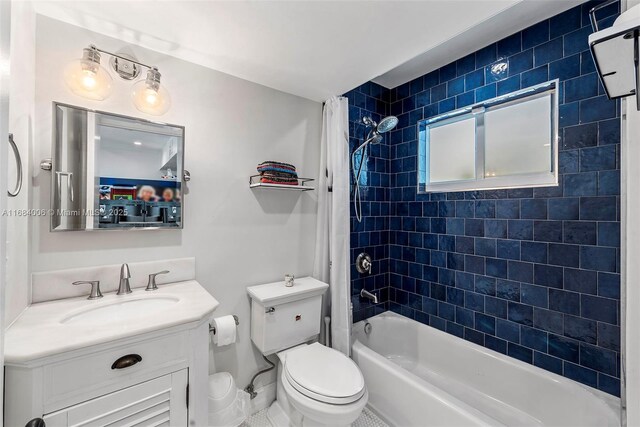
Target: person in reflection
x=147, y=193
x=167, y=195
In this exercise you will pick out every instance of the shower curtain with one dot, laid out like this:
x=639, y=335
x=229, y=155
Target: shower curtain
x=331, y=263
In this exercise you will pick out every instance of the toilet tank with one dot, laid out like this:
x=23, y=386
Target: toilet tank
x=283, y=317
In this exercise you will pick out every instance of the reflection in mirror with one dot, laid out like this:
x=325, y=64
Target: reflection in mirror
x=114, y=172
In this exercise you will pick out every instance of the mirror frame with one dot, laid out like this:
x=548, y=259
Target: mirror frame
x=182, y=181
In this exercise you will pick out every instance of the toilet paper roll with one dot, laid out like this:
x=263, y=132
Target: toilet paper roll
x=225, y=330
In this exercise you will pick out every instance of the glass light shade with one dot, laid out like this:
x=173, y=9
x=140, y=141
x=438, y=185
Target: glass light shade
x=88, y=79
x=150, y=97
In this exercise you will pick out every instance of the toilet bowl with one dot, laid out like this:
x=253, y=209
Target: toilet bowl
x=317, y=386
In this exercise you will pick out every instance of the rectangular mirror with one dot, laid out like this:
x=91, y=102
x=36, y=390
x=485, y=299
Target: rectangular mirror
x=114, y=172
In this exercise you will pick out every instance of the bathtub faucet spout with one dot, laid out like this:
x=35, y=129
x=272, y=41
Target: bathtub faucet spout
x=368, y=295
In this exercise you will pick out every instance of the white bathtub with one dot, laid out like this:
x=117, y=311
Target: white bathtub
x=420, y=376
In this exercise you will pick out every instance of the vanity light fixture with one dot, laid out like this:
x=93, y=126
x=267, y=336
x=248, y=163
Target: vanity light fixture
x=87, y=78
x=137, y=143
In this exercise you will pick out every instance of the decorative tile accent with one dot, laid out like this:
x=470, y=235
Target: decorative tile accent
x=531, y=273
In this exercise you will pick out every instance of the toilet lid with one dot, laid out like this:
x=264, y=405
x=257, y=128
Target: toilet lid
x=324, y=374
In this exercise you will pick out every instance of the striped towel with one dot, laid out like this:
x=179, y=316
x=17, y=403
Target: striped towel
x=278, y=173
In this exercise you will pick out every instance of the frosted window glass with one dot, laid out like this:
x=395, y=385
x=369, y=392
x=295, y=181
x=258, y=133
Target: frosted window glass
x=518, y=138
x=452, y=151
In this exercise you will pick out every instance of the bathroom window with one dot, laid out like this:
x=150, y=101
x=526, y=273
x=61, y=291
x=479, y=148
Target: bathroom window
x=505, y=142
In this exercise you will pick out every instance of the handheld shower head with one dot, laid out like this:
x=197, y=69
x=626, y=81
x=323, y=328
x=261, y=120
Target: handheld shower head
x=387, y=124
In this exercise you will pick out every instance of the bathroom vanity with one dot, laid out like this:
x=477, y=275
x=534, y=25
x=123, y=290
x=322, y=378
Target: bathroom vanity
x=140, y=358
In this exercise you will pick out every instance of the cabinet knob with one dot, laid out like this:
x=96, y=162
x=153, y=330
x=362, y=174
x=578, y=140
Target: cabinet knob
x=126, y=361
x=36, y=422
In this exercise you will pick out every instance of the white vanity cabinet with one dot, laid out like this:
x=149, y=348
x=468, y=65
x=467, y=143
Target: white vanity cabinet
x=142, y=370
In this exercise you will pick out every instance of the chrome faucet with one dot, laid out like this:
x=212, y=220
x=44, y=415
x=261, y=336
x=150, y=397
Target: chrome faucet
x=125, y=275
x=368, y=295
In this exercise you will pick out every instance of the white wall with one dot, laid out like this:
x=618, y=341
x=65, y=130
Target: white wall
x=115, y=162
x=239, y=237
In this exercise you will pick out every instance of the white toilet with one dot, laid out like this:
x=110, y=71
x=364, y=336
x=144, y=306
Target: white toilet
x=317, y=385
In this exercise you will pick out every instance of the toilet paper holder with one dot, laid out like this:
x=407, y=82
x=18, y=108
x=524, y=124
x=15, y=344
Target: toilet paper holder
x=213, y=328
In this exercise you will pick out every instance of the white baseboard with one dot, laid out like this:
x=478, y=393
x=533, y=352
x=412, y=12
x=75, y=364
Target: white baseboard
x=264, y=399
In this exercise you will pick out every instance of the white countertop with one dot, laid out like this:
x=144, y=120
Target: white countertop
x=40, y=332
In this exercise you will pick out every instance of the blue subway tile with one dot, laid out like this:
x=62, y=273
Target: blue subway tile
x=533, y=209
x=495, y=307
x=464, y=317
x=474, y=264
x=580, y=136
x=474, y=336
x=521, y=353
x=486, y=55
x=580, y=329
x=609, y=183
x=609, y=234
x=550, y=363
x=564, y=348
x=547, y=320
x=507, y=330
x=495, y=344
x=485, y=324
x=521, y=62
x=599, y=359
x=598, y=258
x=520, y=271
x=565, y=302
x=564, y=208
x=535, y=34
x=485, y=92
x=609, y=132
x=609, y=336
x=547, y=52
x=485, y=285
x=474, y=301
x=600, y=309
x=598, y=158
x=495, y=228
x=520, y=313
x=564, y=255
x=547, y=231
x=609, y=285
x=565, y=68
x=598, y=108
x=509, y=85
x=583, y=281
x=485, y=247
x=534, y=338
x=507, y=289
x=598, y=208
x=585, y=86
x=581, y=184
x=565, y=22
x=536, y=76
x=510, y=45
x=608, y=384
x=547, y=275
x=485, y=209
x=534, y=252
x=521, y=229
x=508, y=209
x=580, y=232
x=581, y=374
x=496, y=268
x=508, y=249
x=534, y=295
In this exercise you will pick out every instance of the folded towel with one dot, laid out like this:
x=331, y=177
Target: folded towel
x=270, y=181
x=289, y=172
x=277, y=164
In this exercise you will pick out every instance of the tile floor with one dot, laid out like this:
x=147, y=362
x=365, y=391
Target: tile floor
x=366, y=419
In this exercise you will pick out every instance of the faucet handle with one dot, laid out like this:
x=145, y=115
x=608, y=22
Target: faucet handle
x=151, y=284
x=95, y=288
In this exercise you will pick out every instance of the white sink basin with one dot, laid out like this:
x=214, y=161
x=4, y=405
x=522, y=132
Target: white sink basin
x=128, y=310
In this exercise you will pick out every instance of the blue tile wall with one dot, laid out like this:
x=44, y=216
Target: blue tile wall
x=371, y=235
x=532, y=273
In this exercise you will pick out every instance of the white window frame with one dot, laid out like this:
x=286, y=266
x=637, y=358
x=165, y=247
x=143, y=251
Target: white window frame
x=477, y=111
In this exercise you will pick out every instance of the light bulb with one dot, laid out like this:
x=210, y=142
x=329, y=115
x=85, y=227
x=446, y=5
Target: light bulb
x=149, y=96
x=85, y=77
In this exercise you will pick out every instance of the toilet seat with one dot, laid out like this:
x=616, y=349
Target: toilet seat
x=324, y=374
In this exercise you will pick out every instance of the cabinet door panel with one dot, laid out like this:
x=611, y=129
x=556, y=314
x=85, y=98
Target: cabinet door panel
x=161, y=401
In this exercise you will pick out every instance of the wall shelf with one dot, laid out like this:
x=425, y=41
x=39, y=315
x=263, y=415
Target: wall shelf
x=254, y=182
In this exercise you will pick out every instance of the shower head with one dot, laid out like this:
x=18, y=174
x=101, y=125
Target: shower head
x=387, y=124
x=375, y=139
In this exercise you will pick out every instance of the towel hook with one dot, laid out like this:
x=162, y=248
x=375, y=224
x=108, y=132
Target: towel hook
x=18, y=187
